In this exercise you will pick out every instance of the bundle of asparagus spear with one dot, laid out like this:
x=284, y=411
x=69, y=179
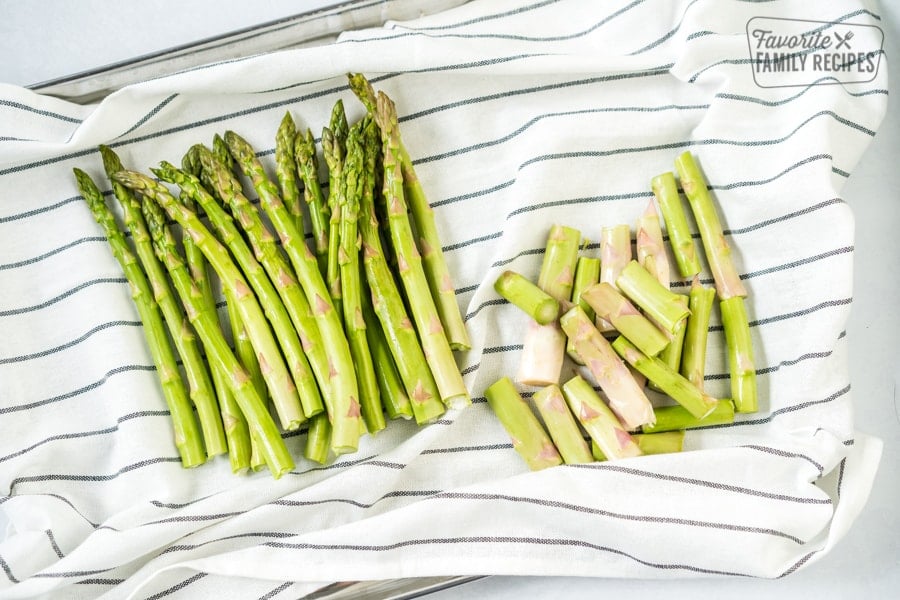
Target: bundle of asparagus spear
x=322, y=332
x=660, y=337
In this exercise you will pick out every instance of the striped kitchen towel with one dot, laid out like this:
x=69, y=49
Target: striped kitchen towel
x=518, y=115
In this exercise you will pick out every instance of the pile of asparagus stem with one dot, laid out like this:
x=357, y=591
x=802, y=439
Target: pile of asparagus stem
x=339, y=334
x=659, y=338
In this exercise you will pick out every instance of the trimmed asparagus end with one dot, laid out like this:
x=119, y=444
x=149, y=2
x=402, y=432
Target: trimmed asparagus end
x=740, y=354
x=598, y=420
x=666, y=191
x=528, y=436
x=561, y=425
x=665, y=307
x=693, y=355
x=536, y=303
x=673, y=418
x=613, y=307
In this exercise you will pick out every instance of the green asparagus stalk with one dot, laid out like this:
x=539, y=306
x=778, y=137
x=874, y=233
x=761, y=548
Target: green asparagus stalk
x=434, y=263
x=561, y=425
x=240, y=444
x=344, y=391
x=718, y=253
x=271, y=290
x=598, y=420
x=740, y=354
x=528, y=436
x=187, y=436
x=614, y=308
x=318, y=439
x=278, y=379
x=437, y=349
x=693, y=355
x=673, y=418
x=674, y=385
x=655, y=443
x=534, y=301
x=286, y=168
x=351, y=285
x=200, y=386
x=389, y=307
x=650, y=248
x=545, y=345
x=308, y=167
x=587, y=273
x=262, y=428
x=666, y=191
x=615, y=252
x=390, y=384
x=626, y=397
x=334, y=159
x=666, y=308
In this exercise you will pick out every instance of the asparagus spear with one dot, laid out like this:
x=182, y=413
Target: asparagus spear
x=718, y=254
x=626, y=398
x=672, y=418
x=199, y=384
x=666, y=191
x=587, y=273
x=615, y=309
x=389, y=307
x=693, y=355
x=390, y=385
x=291, y=413
x=651, y=252
x=545, y=345
x=351, y=286
x=598, y=420
x=308, y=166
x=344, y=391
x=666, y=308
x=615, y=252
x=650, y=443
x=187, y=435
x=534, y=301
x=435, y=265
x=286, y=168
x=528, y=436
x=276, y=374
x=561, y=425
x=740, y=354
x=434, y=343
x=333, y=146
x=677, y=387
x=262, y=428
x=318, y=439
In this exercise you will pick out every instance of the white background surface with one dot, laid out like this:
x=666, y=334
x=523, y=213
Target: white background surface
x=45, y=39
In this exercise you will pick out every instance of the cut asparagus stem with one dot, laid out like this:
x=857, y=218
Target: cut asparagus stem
x=351, y=286
x=187, y=437
x=286, y=168
x=671, y=354
x=344, y=391
x=561, y=425
x=598, y=420
x=200, y=388
x=615, y=252
x=587, y=273
x=673, y=418
x=740, y=354
x=614, y=308
x=390, y=385
x=536, y=303
x=388, y=305
x=262, y=428
x=666, y=191
x=318, y=439
x=545, y=345
x=677, y=387
x=434, y=343
x=271, y=297
x=434, y=263
x=693, y=355
x=666, y=308
x=236, y=429
x=718, y=253
x=308, y=166
x=626, y=398
x=656, y=443
x=528, y=436
x=275, y=372
x=650, y=248
x=334, y=158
